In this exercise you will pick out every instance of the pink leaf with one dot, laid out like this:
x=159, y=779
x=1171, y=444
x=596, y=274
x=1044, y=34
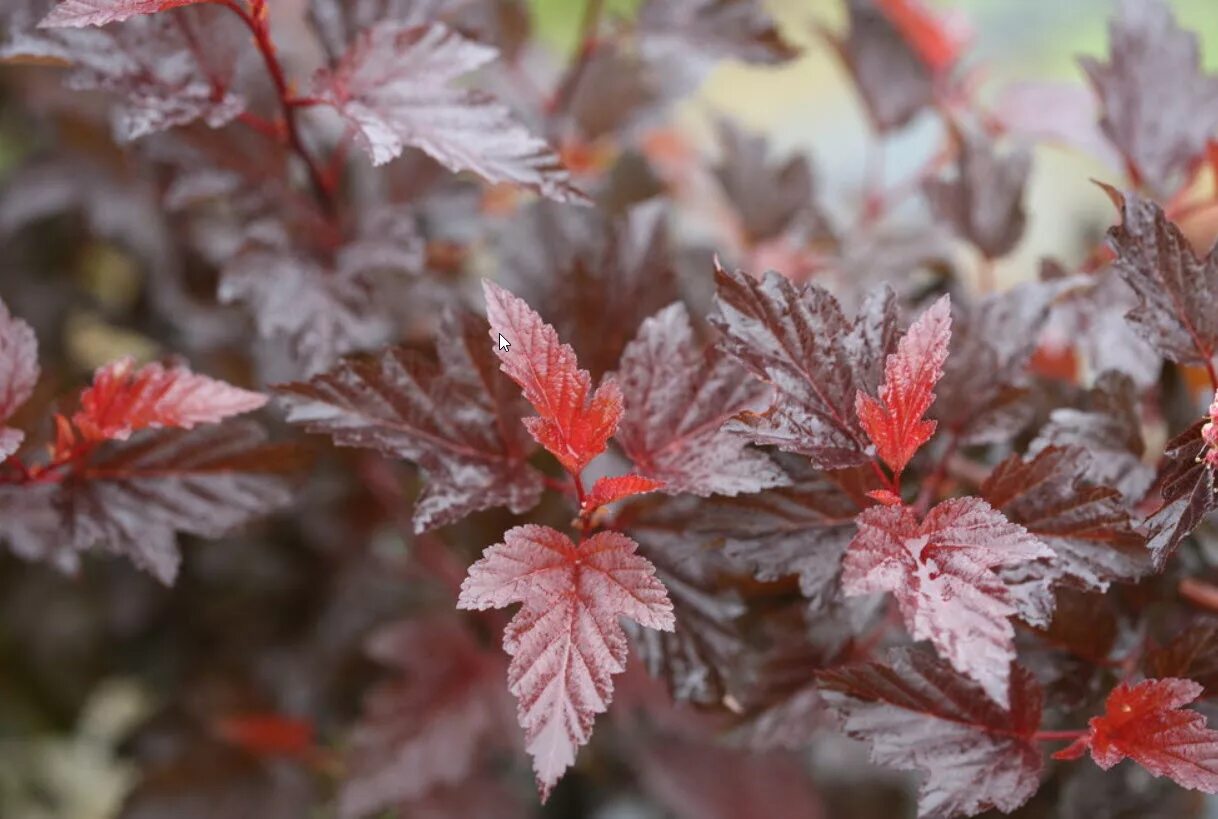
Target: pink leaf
x=941, y=572
x=573, y=425
x=895, y=423
x=565, y=642
x=123, y=400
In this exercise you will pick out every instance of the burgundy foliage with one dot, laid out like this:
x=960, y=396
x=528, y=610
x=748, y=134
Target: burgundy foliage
x=525, y=430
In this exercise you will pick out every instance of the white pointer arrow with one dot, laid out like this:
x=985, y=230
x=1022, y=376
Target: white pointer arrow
x=504, y=344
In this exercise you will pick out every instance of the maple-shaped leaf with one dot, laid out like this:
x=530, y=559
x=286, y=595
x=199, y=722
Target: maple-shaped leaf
x=1148, y=723
x=124, y=399
x=1175, y=289
x=678, y=399
x=619, y=487
x=133, y=497
x=918, y=714
x=1088, y=527
x=941, y=570
x=427, y=726
x=592, y=277
x=983, y=201
x=565, y=642
x=895, y=83
x=395, y=87
x=18, y=375
x=1192, y=654
x=1160, y=108
x=894, y=422
x=981, y=397
x=798, y=340
x=459, y=421
x=80, y=13
x=1185, y=482
x=575, y=423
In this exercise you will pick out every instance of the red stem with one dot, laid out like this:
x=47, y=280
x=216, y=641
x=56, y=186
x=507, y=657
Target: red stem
x=255, y=19
x=1059, y=736
x=933, y=485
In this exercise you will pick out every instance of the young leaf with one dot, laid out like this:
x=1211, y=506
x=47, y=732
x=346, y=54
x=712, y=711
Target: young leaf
x=1175, y=289
x=565, y=642
x=798, y=340
x=460, y=422
x=395, y=88
x=80, y=13
x=983, y=202
x=619, y=487
x=428, y=725
x=916, y=713
x=573, y=425
x=123, y=400
x=1147, y=723
x=678, y=399
x=941, y=571
x=18, y=374
x=894, y=422
x=1160, y=108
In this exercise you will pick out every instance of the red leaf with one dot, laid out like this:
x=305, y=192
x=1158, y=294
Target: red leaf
x=80, y=13
x=895, y=423
x=267, y=734
x=918, y=714
x=565, y=642
x=885, y=496
x=608, y=490
x=1146, y=723
x=941, y=571
x=123, y=400
x=574, y=425
x=396, y=88
x=18, y=374
x=679, y=399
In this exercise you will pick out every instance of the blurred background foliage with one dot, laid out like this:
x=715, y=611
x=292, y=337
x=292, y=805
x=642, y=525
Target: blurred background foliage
x=73, y=767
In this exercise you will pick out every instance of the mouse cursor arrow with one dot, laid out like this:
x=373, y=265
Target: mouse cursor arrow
x=504, y=344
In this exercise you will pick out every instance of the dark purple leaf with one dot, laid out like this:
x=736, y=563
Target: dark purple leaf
x=892, y=79
x=1185, y=482
x=459, y=421
x=798, y=340
x=678, y=398
x=916, y=713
